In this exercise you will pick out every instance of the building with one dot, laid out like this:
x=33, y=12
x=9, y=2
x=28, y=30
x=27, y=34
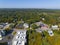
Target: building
x=55, y=27
x=44, y=26
x=50, y=32
x=4, y=25
x=22, y=25
x=25, y=25
x=7, y=26
x=38, y=23
x=39, y=30
x=20, y=38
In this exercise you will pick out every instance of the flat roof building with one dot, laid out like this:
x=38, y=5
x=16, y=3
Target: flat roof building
x=20, y=38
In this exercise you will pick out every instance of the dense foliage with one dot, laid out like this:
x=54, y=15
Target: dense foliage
x=30, y=15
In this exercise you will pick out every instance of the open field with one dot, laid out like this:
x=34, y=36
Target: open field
x=35, y=38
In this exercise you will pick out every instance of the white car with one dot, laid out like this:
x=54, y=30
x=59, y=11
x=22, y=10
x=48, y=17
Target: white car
x=15, y=43
x=17, y=36
x=0, y=37
x=21, y=43
x=18, y=32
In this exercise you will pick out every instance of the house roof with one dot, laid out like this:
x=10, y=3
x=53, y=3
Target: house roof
x=54, y=25
x=26, y=25
x=50, y=32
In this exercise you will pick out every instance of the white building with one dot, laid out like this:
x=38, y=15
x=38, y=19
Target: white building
x=26, y=25
x=43, y=18
x=39, y=30
x=20, y=38
x=55, y=27
x=50, y=32
x=7, y=26
x=38, y=23
x=4, y=25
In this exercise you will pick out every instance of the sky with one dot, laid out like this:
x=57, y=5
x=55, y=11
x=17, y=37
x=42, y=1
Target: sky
x=49, y=4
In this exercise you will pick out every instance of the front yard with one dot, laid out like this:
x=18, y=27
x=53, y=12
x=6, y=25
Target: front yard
x=36, y=38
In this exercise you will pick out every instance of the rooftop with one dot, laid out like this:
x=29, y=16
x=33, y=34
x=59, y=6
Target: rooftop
x=20, y=38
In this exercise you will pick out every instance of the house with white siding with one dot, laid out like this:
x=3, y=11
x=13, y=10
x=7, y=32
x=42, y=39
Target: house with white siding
x=54, y=27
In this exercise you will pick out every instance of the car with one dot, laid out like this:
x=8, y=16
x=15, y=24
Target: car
x=17, y=36
x=0, y=37
x=15, y=43
x=18, y=32
x=19, y=43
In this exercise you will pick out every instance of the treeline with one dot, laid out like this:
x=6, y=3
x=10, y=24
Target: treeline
x=29, y=15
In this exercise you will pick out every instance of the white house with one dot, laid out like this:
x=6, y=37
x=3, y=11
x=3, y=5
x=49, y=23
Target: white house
x=25, y=25
x=39, y=30
x=55, y=27
x=50, y=32
x=4, y=25
x=7, y=26
x=38, y=23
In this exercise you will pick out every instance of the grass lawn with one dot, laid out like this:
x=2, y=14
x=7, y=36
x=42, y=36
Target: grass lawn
x=35, y=38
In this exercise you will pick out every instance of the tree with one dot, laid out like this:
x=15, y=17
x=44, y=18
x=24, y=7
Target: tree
x=34, y=26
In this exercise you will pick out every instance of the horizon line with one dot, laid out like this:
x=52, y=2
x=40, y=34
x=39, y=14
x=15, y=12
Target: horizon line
x=29, y=8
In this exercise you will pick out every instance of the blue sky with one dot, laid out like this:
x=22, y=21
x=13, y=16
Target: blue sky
x=53, y=4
